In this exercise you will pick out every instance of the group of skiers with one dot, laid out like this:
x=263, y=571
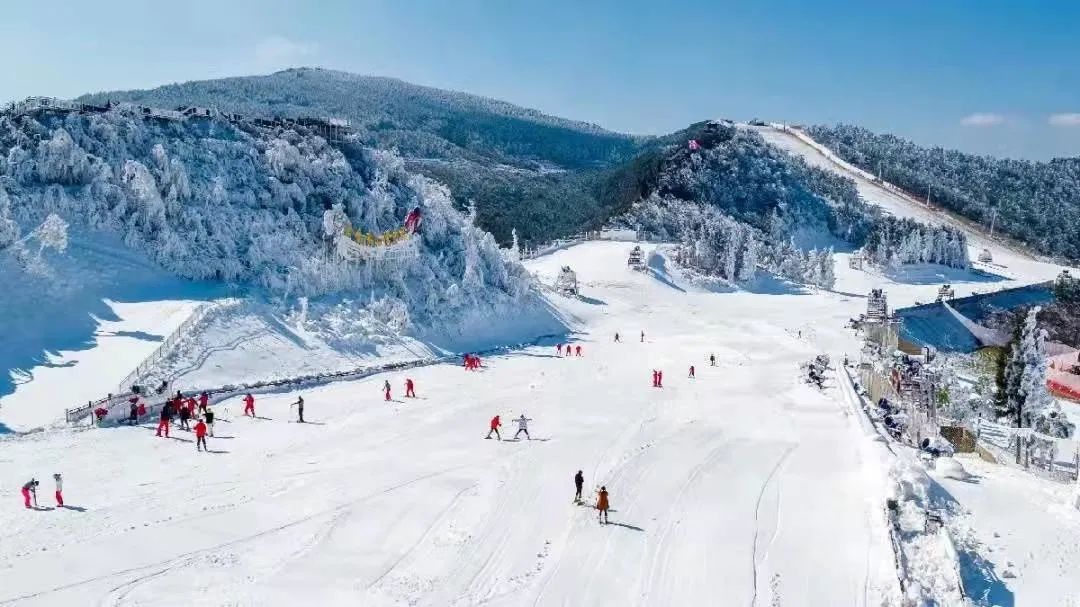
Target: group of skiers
x=602, y=501
x=472, y=362
x=186, y=409
x=575, y=351
x=410, y=387
x=522, y=424
x=29, y=492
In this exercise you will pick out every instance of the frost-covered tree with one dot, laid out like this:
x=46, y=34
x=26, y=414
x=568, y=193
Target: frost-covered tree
x=210, y=199
x=52, y=234
x=9, y=230
x=1028, y=401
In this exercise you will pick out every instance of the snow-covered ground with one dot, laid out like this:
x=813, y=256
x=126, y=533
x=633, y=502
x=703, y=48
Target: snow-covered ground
x=725, y=488
x=1024, y=531
x=74, y=336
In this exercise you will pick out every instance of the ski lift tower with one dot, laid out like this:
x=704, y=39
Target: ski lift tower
x=877, y=306
x=636, y=261
x=566, y=283
x=857, y=259
x=946, y=293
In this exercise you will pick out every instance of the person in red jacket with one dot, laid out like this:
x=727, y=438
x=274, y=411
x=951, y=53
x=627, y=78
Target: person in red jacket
x=190, y=403
x=495, y=423
x=204, y=401
x=200, y=436
x=409, y=391
x=249, y=405
x=577, y=350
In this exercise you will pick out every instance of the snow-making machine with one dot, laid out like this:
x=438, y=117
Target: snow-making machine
x=566, y=282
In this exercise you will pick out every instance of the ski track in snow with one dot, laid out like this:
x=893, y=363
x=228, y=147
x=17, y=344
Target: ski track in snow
x=757, y=519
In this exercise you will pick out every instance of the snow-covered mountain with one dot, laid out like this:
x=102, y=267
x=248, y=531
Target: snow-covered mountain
x=524, y=169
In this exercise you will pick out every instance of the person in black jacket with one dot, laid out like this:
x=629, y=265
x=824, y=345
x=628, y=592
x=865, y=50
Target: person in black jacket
x=579, y=480
x=185, y=415
x=166, y=417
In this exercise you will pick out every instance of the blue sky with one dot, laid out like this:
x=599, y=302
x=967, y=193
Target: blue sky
x=991, y=77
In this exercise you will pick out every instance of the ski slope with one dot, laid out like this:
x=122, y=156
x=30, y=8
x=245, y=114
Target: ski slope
x=1008, y=260
x=725, y=489
x=74, y=336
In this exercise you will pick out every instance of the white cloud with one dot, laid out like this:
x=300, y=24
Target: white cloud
x=1066, y=119
x=982, y=119
x=277, y=51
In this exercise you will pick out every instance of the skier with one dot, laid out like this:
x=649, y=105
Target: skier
x=386, y=389
x=495, y=424
x=642, y=337
x=655, y=382
x=476, y=362
x=523, y=426
x=30, y=489
x=133, y=412
x=209, y=420
x=166, y=417
x=577, y=350
x=602, y=505
x=691, y=372
x=200, y=436
x=191, y=404
x=579, y=480
x=712, y=360
x=59, y=490
x=558, y=349
x=204, y=400
x=249, y=405
x=185, y=415
x=616, y=337
x=409, y=391
x=300, y=407
x=659, y=379
x=142, y=409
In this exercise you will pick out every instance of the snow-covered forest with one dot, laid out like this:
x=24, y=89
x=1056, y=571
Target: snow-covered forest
x=208, y=199
x=1037, y=203
x=525, y=170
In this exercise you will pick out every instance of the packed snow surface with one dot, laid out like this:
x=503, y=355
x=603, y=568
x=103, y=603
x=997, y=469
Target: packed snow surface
x=734, y=482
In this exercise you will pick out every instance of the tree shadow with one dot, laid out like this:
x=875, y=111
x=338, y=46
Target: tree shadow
x=140, y=335
x=930, y=274
x=591, y=300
